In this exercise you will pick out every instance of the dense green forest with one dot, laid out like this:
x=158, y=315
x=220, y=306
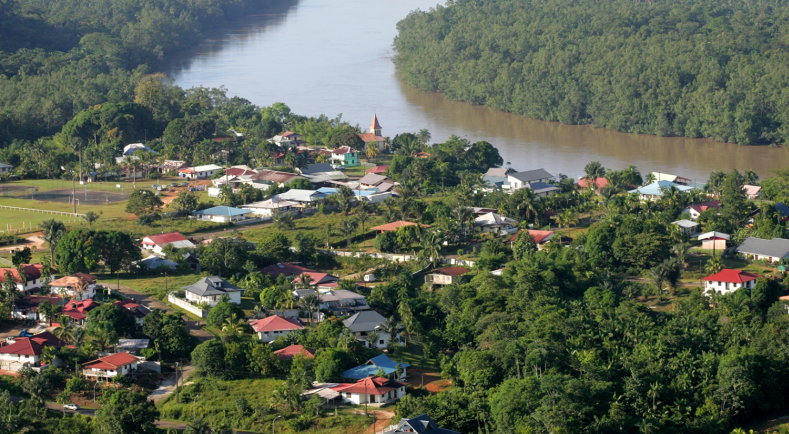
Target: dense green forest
x=695, y=68
x=58, y=58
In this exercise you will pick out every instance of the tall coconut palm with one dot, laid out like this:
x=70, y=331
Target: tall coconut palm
x=372, y=151
x=593, y=170
x=310, y=303
x=658, y=274
x=362, y=217
x=432, y=243
x=65, y=330
x=714, y=265
x=424, y=136
x=462, y=214
x=233, y=325
x=347, y=227
x=372, y=338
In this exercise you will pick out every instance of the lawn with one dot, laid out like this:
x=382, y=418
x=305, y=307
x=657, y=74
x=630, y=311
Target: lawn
x=156, y=286
x=316, y=225
x=220, y=403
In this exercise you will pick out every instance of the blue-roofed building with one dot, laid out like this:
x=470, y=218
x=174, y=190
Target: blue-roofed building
x=372, y=366
x=654, y=191
x=223, y=214
x=358, y=193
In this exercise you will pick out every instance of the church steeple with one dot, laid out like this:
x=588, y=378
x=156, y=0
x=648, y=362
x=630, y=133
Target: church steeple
x=375, y=127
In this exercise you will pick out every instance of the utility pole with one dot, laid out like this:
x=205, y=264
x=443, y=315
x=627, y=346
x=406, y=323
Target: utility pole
x=74, y=193
x=177, y=394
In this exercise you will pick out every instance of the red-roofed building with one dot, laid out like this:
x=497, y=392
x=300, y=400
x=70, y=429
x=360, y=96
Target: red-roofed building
x=14, y=355
x=599, y=183
x=156, y=243
x=286, y=269
x=291, y=351
x=727, y=281
x=275, y=326
x=394, y=226
x=377, y=170
x=446, y=275
x=78, y=310
x=695, y=210
x=540, y=237
x=374, y=136
x=134, y=309
x=316, y=279
x=79, y=286
x=111, y=366
x=373, y=390
x=31, y=280
x=239, y=171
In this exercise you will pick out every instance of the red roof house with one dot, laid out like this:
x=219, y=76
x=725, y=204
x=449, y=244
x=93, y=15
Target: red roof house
x=727, y=281
x=110, y=366
x=32, y=277
x=379, y=390
x=78, y=310
x=275, y=326
x=25, y=350
x=540, y=237
x=377, y=170
x=291, y=351
x=599, y=183
x=316, y=278
x=285, y=268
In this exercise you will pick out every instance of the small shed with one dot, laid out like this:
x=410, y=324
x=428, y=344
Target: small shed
x=687, y=227
x=714, y=240
x=446, y=275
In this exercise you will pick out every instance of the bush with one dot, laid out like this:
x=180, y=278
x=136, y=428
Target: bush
x=222, y=311
x=300, y=423
x=386, y=242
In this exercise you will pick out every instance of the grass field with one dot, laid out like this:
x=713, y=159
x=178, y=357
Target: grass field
x=316, y=225
x=219, y=402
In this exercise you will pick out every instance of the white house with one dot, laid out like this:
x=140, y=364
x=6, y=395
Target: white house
x=271, y=207
x=130, y=149
x=210, y=290
x=446, y=275
x=275, y=326
x=111, y=366
x=687, y=227
x=31, y=280
x=155, y=243
x=372, y=390
x=774, y=250
x=367, y=321
x=288, y=138
x=5, y=168
x=518, y=180
x=496, y=223
x=27, y=308
x=223, y=214
x=727, y=281
x=14, y=354
x=695, y=210
x=78, y=286
x=199, y=172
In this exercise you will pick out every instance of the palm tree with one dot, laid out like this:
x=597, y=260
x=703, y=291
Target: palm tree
x=593, y=170
x=650, y=179
x=233, y=325
x=226, y=196
x=391, y=327
x=432, y=244
x=66, y=328
x=682, y=250
x=714, y=265
x=53, y=231
x=305, y=281
x=246, y=192
x=198, y=425
x=362, y=217
x=310, y=303
x=566, y=219
x=91, y=217
x=371, y=151
x=658, y=274
x=77, y=336
x=259, y=311
x=462, y=214
x=424, y=136
x=372, y=338
x=347, y=227
x=528, y=202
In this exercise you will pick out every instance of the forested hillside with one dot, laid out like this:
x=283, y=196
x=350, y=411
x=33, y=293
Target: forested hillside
x=59, y=57
x=697, y=68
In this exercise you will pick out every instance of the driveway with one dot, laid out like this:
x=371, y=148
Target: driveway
x=191, y=325
x=168, y=385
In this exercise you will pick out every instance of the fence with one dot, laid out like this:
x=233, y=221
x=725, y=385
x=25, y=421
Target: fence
x=185, y=305
x=42, y=211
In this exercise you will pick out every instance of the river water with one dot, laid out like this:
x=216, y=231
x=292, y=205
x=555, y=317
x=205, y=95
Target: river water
x=331, y=57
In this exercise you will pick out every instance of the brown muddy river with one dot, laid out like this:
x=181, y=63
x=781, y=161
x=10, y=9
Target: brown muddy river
x=332, y=57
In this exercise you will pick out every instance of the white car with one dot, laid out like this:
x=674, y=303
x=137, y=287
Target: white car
x=72, y=407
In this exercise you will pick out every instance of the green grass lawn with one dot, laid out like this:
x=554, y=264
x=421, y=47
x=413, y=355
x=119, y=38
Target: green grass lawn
x=316, y=225
x=218, y=403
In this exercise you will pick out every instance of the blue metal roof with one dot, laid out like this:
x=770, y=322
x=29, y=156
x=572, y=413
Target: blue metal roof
x=357, y=193
x=654, y=189
x=371, y=368
x=224, y=211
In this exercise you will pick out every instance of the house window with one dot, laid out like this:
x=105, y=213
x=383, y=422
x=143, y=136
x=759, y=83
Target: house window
x=381, y=342
x=347, y=395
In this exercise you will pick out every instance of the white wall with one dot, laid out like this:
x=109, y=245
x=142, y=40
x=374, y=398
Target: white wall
x=14, y=362
x=726, y=287
x=270, y=336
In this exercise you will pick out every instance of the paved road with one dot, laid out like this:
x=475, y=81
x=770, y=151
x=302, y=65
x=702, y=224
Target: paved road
x=150, y=302
x=168, y=385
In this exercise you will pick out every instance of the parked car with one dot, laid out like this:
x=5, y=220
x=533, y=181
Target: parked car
x=25, y=334
x=174, y=184
x=72, y=407
x=184, y=184
x=155, y=186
